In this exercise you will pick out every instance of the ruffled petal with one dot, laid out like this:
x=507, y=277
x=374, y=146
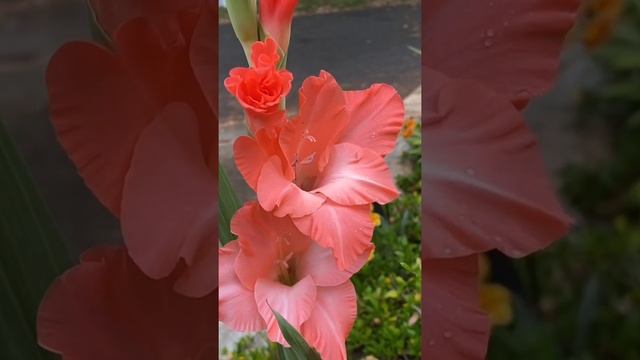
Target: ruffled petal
x=236, y=304
x=279, y=194
x=323, y=114
x=485, y=184
x=356, y=176
x=375, y=118
x=263, y=238
x=512, y=47
x=168, y=209
x=331, y=320
x=347, y=230
x=455, y=327
x=249, y=159
x=107, y=303
x=84, y=82
x=294, y=303
x=319, y=263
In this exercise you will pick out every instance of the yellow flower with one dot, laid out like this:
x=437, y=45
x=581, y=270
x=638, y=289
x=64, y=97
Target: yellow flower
x=603, y=16
x=409, y=127
x=495, y=299
x=376, y=219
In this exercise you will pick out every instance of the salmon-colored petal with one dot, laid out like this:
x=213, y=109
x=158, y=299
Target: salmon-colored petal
x=105, y=308
x=294, y=303
x=511, y=47
x=263, y=238
x=197, y=278
x=375, y=118
x=236, y=304
x=485, y=184
x=249, y=158
x=331, y=320
x=320, y=264
x=454, y=325
x=168, y=209
x=323, y=114
x=84, y=82
x=356, y=176
x=347, y=230
x=276, y=17
x=279, y=194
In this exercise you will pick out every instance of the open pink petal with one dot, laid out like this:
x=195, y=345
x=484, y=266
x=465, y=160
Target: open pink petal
x=105, y=308
x=279, y=194
x=511, y=47
x=323, y=114
x=263, y=238
x=84, y=82
x=320, y=264
x=485, y=184
x=168, y=208
x=294, y=303
x=356, y=176
x=236, y=304
x=454, y=325
x=331, y=320
x=347, y=230
x=376, y=116
x=249, y=159
x=197, y=278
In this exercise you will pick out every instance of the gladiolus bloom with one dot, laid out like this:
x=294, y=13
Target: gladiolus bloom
x=325, y=167
x=261, y=88
x=272, y=265
x=275, y=17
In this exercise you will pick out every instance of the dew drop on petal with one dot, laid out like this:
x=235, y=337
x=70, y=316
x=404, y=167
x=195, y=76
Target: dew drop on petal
x=447, y=251
x=488, y=43
x=432, y=342
x=470, y=172
x=447, y=335
x=491, y=33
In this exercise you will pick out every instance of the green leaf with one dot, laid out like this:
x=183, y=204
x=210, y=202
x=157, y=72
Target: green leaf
x=32, y=255
x=228, y=204
x=299, y=349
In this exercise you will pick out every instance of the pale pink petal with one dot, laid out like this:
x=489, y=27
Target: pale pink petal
x=511, y=47
x=356, y=176
x=294, y=303
x=375, y=118
x=331, y=320
x=263, y=239
x=347, y=230
x=323, y=114
x=169, y=197
x=277, y=192
x=319, y=263
x=454, y=325
x=236, y=304
x=485, y=184
x=249, y=159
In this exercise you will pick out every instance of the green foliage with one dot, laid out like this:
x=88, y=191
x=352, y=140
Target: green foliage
x=389, y=286
x=588, y=285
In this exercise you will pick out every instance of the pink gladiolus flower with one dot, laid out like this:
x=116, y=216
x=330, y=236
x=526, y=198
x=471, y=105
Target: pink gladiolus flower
x=275, y=17
x=272, y=265
x=261, y=89
x=325, y=167
x=484, y=183
x=138, y=121
x=105, y=308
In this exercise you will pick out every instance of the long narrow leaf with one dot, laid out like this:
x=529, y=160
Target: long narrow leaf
x=228, y=204
x=32, y=254
x=299, y=349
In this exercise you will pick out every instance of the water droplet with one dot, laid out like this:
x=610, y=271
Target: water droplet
x=308, y=160
x=498, y=238
x=491, y=33
x=447, y=335
x=447, y=251
x=505, y=23
x=432, y=342
x=487, y=43
x=470, y=172
x=310, y=138
x=373, y=134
